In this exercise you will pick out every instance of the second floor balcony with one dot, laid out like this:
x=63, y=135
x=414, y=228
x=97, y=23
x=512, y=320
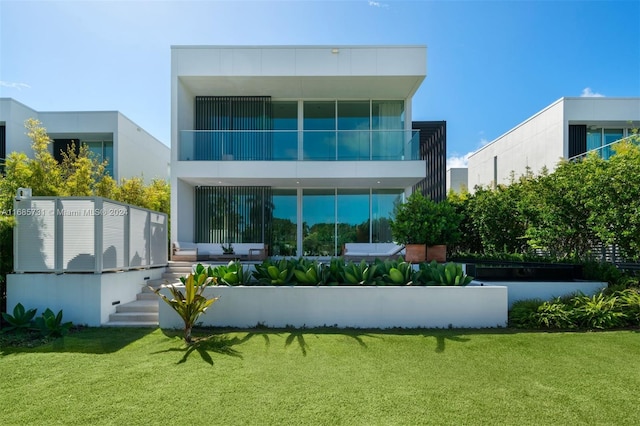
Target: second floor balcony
x=294, y=145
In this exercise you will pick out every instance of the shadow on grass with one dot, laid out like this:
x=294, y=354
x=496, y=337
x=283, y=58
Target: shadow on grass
x=216, y=343
x=89, y=340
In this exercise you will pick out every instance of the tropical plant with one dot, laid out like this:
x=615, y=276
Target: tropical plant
x=523, y=313
x=308, y=272
x=361, y=273
x=449, y=274
x=51, y=324
x=394, y=272
x=232, y=273
x=598, y=311
x=272, y=272
x=20, y=320
x=192, y=303
x=629, y=302
x=555, y=314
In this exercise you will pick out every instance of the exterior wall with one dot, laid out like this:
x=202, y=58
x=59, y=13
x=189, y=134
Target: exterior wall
x=544, y=290
x=345, y=306
x=542, y=140
x=135, y=144
x=535, y=143
x=86, y=299
x=130, y=142
x=457, y=179
x=292, y=73
x=14, y=114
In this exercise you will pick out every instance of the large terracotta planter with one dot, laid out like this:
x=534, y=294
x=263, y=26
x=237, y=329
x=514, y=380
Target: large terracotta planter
x=415, y=253
x=437, y=253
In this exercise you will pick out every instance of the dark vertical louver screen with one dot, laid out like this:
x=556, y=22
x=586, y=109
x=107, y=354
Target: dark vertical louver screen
x=242, y=127
x=3, y=142
x=233, y=214
x=577, y=139
x=433, y=150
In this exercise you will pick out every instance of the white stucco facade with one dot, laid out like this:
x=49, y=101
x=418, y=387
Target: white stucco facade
x=291, y=74
x=543, y=139
x=131, y=143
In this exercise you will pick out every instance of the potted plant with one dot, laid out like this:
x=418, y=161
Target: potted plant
x=227, y=249
x=425, y=227
x=443, y=228
x=408, y=226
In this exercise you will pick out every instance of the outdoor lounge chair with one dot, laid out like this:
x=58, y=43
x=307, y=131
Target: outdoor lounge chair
x=360, y=251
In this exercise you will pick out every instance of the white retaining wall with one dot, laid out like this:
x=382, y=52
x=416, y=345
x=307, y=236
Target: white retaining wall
x=520, y=290
x=346, y=306
x=86, y=299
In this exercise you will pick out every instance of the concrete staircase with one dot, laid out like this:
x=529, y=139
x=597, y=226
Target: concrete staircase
x=143, y=312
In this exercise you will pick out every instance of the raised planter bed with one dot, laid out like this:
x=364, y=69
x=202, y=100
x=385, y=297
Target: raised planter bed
x=351, y=306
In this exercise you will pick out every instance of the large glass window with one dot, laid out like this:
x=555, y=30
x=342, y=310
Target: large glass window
x=284, y=225
x=353, y=216
x=383, y=202
x=319, y=130
x=353, y=130
x=594, y=139
x=610, y=136
x=387, y=125
x=102, y=151
x=285, y=124
x=318, y=222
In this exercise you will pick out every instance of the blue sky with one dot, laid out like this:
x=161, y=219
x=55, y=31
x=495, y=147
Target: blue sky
x=491, y=64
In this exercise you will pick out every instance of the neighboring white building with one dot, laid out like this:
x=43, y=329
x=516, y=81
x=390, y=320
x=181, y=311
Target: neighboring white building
x=303, y=148
x=109, y=134
x=457, y=178
x=567, y=128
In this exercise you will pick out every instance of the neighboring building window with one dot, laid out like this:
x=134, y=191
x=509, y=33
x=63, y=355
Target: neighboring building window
x=3, y=148
x=102, y=151
x=601, y=140
x=495, y=171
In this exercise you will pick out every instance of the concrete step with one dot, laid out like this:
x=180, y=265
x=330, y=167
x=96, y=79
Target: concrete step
x=141, y=324
x=142, y=306
x=147, y=295
x=139, y=317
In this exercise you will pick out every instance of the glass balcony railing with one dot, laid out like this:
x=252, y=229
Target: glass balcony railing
x=605, y=151
x=293, y=145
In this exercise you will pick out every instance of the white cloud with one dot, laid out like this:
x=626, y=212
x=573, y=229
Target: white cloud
x=373, y=3
x=458, y=161
x=13, y=85
x=588, y=93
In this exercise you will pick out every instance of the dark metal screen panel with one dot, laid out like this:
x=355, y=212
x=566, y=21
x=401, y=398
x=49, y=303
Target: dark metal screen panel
x=233, y=214
x=242, y=124
x=433, y=150
x=577, y=139
x=3, y=142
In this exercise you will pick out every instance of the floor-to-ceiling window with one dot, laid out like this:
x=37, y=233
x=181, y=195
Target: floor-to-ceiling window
x=285, y=126
x=353, y=217
x=318, y=222
x=102, y=151
x=383, y=202
x=353, y=130
x=387, y=123
x=319, y=130
x=284, y=228
x=610, y=136
x=600, y=139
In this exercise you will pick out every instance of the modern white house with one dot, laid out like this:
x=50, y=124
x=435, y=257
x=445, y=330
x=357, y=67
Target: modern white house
x=109, y=134
x=568, y=128
x=457, y=178
x=299, y=148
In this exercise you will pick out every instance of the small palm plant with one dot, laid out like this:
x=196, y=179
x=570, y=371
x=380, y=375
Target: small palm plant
x=190, y=304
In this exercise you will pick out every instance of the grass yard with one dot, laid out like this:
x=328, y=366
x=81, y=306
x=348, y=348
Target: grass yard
x=305, y=377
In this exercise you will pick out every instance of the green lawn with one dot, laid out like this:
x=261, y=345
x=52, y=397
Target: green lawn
x=138, y=376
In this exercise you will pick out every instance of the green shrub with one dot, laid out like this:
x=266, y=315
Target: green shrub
x=449, y=274
x=599, y=311
x=271, y=272
x=51, y=324
x=361, y=273
x=192, y=303
x=231, y=274
x=20, y=320
x=523, y=313
x=629, y=302
x=555, y=314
